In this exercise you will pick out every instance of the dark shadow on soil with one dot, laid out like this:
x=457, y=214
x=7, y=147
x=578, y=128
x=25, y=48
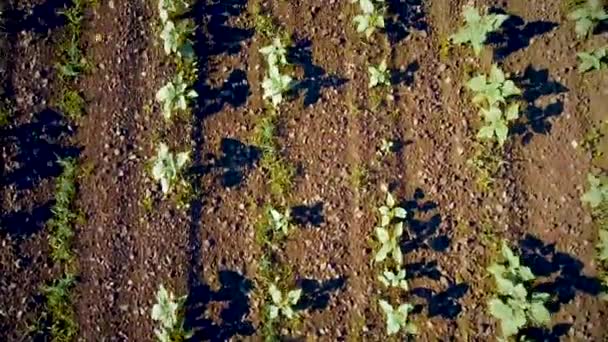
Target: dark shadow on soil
x=308, y=215
x=317, y=294
x=20, y=225
x=403, y=16
x=554, y=334
x=406, y=76
x=234, y=92
x=37, y=145
x=423, y=233
x=315, y=77
x=224, y=38
x=564, y=270
x=235, y=160
x=444, y=304
x=535, y=84
x=516, y=34
x=40, y=19
x=232, y=296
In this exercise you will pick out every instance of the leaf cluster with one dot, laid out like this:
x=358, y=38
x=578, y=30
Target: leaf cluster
x=276, y=84
x=175, y=96
x=389, y=232
x=587, y=16
x=598, y=190
x=397, y=318
x=593, y=60
x=169, y=312
x=168, y=167
x=372, y=17
x=378, y=75
x=477, y=27
x=283, y=304
x=492, y=95
x=514, y=305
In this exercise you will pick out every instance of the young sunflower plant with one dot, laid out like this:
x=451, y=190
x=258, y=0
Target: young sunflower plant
x=169, y=312
x=587, y=16
x=477, y=28
x=372, y=17
x=168, y=167
x=174, y=96
x=283, y=303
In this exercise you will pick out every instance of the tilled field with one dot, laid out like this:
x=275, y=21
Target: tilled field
x=318, y=154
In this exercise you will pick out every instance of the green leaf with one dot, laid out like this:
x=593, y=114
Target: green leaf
x=275, y=294
x=477, y=28
x=602, y=245
x=597, y=193
x=539, y=314
x=587, y=16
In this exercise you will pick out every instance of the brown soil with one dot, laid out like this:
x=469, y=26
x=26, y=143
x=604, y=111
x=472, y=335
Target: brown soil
x=330, y=131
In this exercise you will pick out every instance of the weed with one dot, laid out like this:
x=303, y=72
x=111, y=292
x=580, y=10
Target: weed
x=487, y=162
x=359, y=177
x=72, y=104
x=60, y=225
x=6, y=113
x=59, y=310
x=592, y=139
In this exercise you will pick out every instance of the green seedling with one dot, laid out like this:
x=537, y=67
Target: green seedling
x=167, y=167
x=169, y=312
x=378, y=75
x=602, y=246
x=59, y=306
x=390, y=211
x=598, y=190
x=175, y=96
x=397, y=318
x=593, y=60
x=172, y=8
x=391, y=279
x=477, y=28
x=283, y=304
x=386, y=148
x=492, y=89
x=587, y=17
x=280, y=222
x=176, y=38
x=514, y=306
x=275, y=85
x=496, y=123
x=371, y=19
x=61, y=224
x=275, y=53
x=72, y=104
x=389, y=239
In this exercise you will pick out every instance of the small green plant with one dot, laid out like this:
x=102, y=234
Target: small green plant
x=275, y=53
x=602, y=246
x=598, y=190
x=397, y=318
x=587, y=16
x=593, y=60
x=174, y=96
x=283, y=304
x=392, y=279
x=167, y=167
x=275, y=85
x=389, y=211
x=176, y=37
x=379, y=75
x=58, y=305
x=169, y=312
x=514, y=306
x=372, y=17
x=72, y=104
x=386, y=147
x=389, y=240
x=61, y=224
x=492, y=89
x=280, y=222
x=496, y=123
x=172, y=8
x=477, y=28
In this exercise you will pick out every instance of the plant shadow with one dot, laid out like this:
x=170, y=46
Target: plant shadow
x=308, y=215
x=564, y=270
x=235, y=160
x=423, y=233
x=223, y=38
x=516, y=34
x=444, y=304
x=317, y=294
x=40, y=19
x=403, y=16
x=315, y=77
x=34, y=148
x=406, y=76
x=22, y=224
x=535, y=84
x=233, y=296
x=555, y=334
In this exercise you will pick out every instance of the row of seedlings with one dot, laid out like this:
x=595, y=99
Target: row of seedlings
x=587, y=16
x=168, y=167
x=275, y=276
x=58, y=320
x=388, y=258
